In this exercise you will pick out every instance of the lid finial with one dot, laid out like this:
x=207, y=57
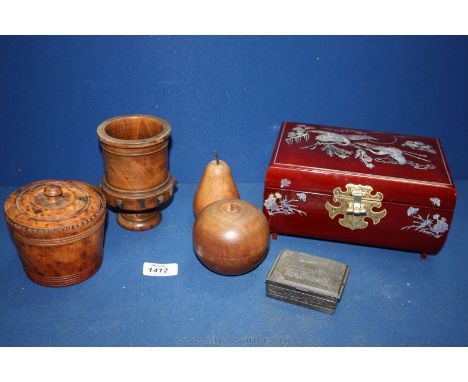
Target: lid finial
x=52, y=190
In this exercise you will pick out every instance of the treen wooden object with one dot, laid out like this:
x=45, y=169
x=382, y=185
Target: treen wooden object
x=216, y=183
x=137, y=180
x=231, y=236
x=58, y=230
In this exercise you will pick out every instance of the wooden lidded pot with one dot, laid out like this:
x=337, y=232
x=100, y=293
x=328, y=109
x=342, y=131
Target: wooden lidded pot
x=231, y=236
x=137, y=179
x=58, y=230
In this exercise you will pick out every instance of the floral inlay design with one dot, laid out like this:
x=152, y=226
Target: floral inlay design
x=435, y=201
x=417, y=145
x=301, y=196
x=285, y=183
x=350, y=143
x=278, y=204
x=411, y=211
x=434, y=225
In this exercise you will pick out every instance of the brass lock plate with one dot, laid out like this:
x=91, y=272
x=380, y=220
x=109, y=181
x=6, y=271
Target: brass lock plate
x=356, y=204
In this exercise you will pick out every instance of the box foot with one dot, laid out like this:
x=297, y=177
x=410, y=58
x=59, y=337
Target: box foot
x=423, y=255
x=274, y=236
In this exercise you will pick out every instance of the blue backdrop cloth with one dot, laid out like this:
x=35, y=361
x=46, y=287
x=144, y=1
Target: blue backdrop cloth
x=228, y=94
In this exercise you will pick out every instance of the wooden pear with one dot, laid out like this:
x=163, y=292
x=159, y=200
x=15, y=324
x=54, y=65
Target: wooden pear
x=216, y=184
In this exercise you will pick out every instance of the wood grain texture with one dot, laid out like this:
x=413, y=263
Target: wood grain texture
x=58, y=230
x=217, y=183
x=231, y=236
x=137, y=179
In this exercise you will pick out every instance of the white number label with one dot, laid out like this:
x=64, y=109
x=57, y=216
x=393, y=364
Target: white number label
x=153, y=269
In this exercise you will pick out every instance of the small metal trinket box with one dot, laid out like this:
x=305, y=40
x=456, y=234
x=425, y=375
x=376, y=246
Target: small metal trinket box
x=307, y=280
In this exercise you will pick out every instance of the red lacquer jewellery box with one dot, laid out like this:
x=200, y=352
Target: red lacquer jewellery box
x=364, y=187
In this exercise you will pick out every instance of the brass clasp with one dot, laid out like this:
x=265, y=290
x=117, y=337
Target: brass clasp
x=355, y=204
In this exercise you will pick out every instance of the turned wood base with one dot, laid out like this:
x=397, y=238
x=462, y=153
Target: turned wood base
x=139, y=221
x=66, y=280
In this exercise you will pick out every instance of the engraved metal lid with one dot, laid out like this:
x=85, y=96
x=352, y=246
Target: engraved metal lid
x=309, y=273
x=54, y=208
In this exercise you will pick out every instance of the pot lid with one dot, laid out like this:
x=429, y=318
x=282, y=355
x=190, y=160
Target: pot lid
x=362, y=152
x=405, y=169
x=54, y=208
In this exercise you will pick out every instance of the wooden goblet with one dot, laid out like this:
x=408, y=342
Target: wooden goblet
x=136, y=181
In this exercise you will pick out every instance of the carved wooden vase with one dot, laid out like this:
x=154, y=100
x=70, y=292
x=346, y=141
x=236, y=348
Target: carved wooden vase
x=58, y=230
x=137, y=180
x=231, y=236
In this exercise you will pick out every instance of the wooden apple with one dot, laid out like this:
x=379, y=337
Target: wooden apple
x=231, y=236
